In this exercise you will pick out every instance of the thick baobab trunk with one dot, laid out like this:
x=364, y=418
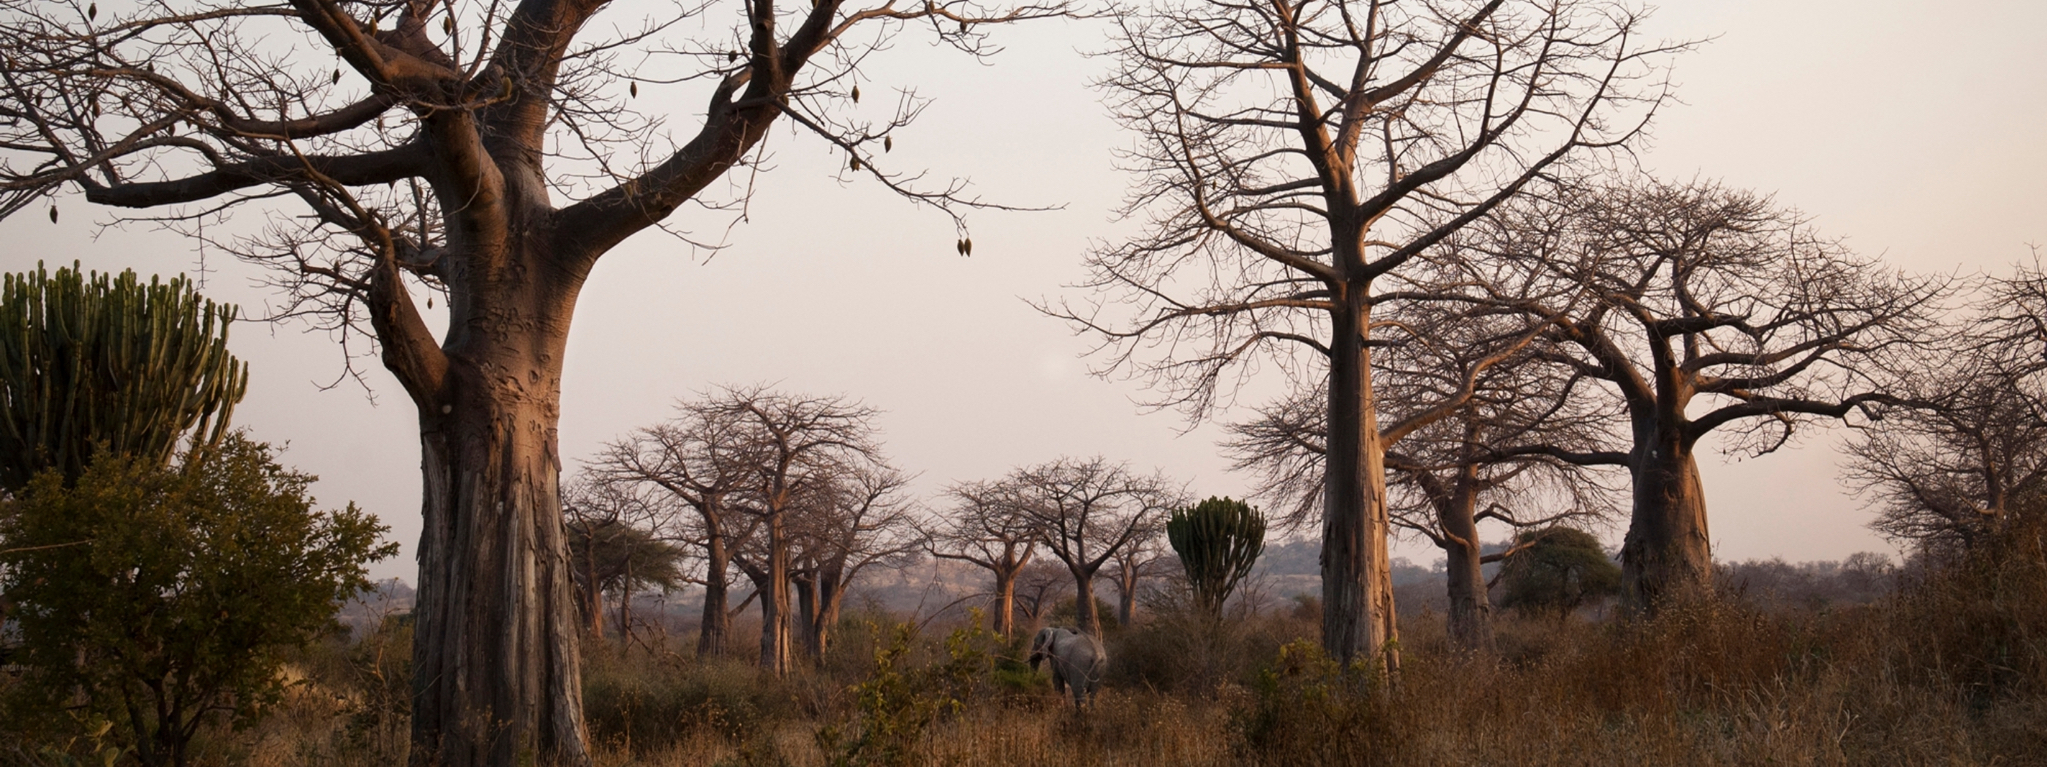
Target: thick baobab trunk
x=1085, y=616
x=495, y=657
x=717, y=623
x=1126, y=596
x=774, y=589
x=1357, y=588
x=831, y=595
x=1004, y=602
x=1471, y=610
x=593, y=593
x=806, y=617
x=1667, y=554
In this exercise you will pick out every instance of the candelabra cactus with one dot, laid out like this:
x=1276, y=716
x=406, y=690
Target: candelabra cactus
x=103, y=361
x=1218, y=540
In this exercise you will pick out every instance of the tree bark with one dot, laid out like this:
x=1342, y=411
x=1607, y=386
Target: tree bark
x=806, y=614
x=775, y=601
x=1085, y=617
x=1667, y=555
x=1471, y=609
x=1126, y=596
x=717, y=623
x=1005, y=602
x=1357, y=592
x=495, y=657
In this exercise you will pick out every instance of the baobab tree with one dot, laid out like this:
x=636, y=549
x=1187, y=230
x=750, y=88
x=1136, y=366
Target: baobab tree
x=863, y=518
x=1451, y=478
x=1967, y=455
x=1129, y=566
x=479, y=150
x=1292, y=159
x=796, y=449
x=987, y=529
x=1704, y=309
x=703, y=459
x=1083, y=511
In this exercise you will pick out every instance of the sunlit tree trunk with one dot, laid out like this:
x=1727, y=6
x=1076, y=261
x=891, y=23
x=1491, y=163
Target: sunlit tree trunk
x=1357, y=593
x=495, y=656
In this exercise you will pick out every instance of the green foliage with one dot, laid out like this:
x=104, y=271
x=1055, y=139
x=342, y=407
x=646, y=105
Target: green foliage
x=104, y=362
x=1218, y=541
x=899, y=700
x=623, y=556
x=1556, y=571
x=160, y=598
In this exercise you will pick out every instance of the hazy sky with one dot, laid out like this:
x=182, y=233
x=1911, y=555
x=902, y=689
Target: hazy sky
x=1913, y=129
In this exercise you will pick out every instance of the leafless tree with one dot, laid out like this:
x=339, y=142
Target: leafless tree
x=405, y=145
x=796, y=448
x=862, y=519
x=1040, y=586
x=1704, y=309
x=1083, y=511
x=704, y=459
x=1135, y=562
x=1293, y=157
x=1968, y=455
x=987, y=529
x=1449, y=477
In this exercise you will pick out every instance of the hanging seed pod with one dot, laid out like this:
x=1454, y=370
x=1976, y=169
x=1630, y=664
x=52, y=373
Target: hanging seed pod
x=634, y=90
x=960, y=247
x=967, y=247
x=888, y=143
x=963, y=26
x=448, y=24
x=856, y=94
x=731, y=57
x=53, y=214
x=337, y=78
x=429, y=302
x=856, y=163
x=92, y=11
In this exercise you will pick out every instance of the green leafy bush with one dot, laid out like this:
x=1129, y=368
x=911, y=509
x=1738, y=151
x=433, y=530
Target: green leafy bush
x=159, y=598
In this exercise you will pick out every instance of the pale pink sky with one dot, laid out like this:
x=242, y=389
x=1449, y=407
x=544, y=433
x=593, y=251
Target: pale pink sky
x=1914, y=129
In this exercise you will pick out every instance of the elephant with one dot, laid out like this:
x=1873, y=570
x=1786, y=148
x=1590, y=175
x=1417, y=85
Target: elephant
x=1077, y=661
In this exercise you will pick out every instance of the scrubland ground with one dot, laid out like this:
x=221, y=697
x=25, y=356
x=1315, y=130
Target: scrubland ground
x=1950, y=670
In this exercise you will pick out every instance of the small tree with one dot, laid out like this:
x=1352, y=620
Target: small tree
x=158, y=598
x=90, y=362
x=1557, y=570
x=1218, y=541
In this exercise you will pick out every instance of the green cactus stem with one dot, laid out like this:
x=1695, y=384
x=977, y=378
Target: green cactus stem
x=102, y=361
x=1218, y=541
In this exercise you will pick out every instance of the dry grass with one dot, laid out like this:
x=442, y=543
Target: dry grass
x=1948, y=672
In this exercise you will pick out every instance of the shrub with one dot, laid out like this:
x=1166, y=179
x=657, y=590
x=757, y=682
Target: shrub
x=159, y=598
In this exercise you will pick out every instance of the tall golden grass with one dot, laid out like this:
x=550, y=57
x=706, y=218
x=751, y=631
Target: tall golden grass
x=1950, y=670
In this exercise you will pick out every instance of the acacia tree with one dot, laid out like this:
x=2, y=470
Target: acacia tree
x=861, y=519
x=988, y=530
x=620, y=541
x=1968, y=455
x=1293, y=157
x=424, y=145
x=1705, y=309
x=1083, y=511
